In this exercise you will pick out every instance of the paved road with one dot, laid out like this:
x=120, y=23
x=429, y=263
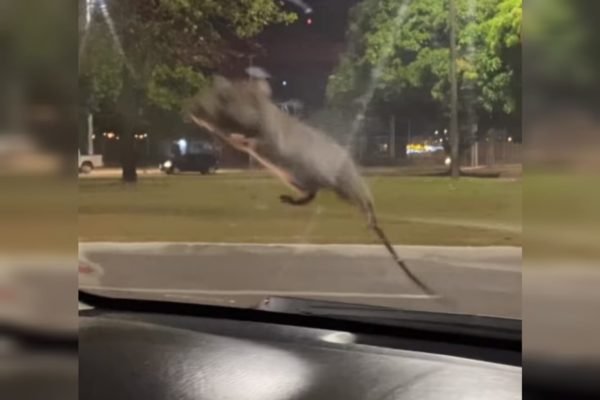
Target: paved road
x=477, y=280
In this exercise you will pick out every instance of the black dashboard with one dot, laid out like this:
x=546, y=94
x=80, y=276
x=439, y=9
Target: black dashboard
x=134, y=354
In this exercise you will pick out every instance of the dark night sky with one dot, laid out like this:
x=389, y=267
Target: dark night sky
x=305, y=55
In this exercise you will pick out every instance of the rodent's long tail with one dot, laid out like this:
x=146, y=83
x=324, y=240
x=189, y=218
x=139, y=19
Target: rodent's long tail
x=372, y=219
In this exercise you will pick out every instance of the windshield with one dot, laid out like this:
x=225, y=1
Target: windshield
x=367, y=152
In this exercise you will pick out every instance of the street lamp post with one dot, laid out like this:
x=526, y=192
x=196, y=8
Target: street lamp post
x=90, y=117
x=393, y=137
x=454, y=138
x=250, y=65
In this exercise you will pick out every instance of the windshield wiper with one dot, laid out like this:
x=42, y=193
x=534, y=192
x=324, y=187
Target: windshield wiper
x=486, y=327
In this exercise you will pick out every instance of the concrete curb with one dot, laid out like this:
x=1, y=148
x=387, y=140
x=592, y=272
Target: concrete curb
x=460, y=255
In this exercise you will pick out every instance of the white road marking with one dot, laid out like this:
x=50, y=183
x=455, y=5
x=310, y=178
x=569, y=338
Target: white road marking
x=258, y=292
x=491, y=226
x=84, y=245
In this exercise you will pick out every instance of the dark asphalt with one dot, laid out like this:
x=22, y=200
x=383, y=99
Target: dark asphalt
x=475, y=280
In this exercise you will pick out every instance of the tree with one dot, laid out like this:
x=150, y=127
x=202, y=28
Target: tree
x=399, y=56
x=496, y=67
x=141, y=55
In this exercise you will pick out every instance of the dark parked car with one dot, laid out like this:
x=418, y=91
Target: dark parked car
x=206, y=163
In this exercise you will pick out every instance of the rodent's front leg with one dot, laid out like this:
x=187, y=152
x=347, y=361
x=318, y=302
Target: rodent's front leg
x=248, y=146
x=300, y=201
x=242, y=143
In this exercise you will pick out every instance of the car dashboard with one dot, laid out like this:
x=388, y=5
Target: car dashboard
x=147, y=355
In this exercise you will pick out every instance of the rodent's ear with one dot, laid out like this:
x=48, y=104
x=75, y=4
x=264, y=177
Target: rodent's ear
x=264, y=87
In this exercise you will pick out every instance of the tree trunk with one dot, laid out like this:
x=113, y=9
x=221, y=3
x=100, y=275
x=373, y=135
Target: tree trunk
x=129, y=109
x=128, y=157
x=128, y=152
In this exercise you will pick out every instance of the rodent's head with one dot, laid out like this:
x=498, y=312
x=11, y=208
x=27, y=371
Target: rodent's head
x=233, y=105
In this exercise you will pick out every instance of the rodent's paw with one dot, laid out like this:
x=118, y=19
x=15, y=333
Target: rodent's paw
x=286, y=199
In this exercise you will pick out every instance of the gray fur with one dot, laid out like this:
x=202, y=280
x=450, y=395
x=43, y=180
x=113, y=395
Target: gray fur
x=314, y=159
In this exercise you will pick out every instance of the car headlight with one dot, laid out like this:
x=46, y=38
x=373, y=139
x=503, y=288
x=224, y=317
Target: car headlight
x=167, y=164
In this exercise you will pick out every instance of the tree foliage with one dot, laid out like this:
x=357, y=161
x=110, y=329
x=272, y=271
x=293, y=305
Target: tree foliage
x=399, y=52
x=166, y=47
x=497, y=64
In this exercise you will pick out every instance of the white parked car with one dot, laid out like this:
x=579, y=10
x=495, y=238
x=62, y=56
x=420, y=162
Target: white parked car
x=87, y=163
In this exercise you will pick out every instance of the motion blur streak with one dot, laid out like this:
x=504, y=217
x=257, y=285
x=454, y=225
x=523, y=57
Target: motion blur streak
x=302, y=5
x=38, y=125
x=562, y=194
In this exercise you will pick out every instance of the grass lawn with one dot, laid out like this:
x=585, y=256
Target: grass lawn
x=246, y=208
